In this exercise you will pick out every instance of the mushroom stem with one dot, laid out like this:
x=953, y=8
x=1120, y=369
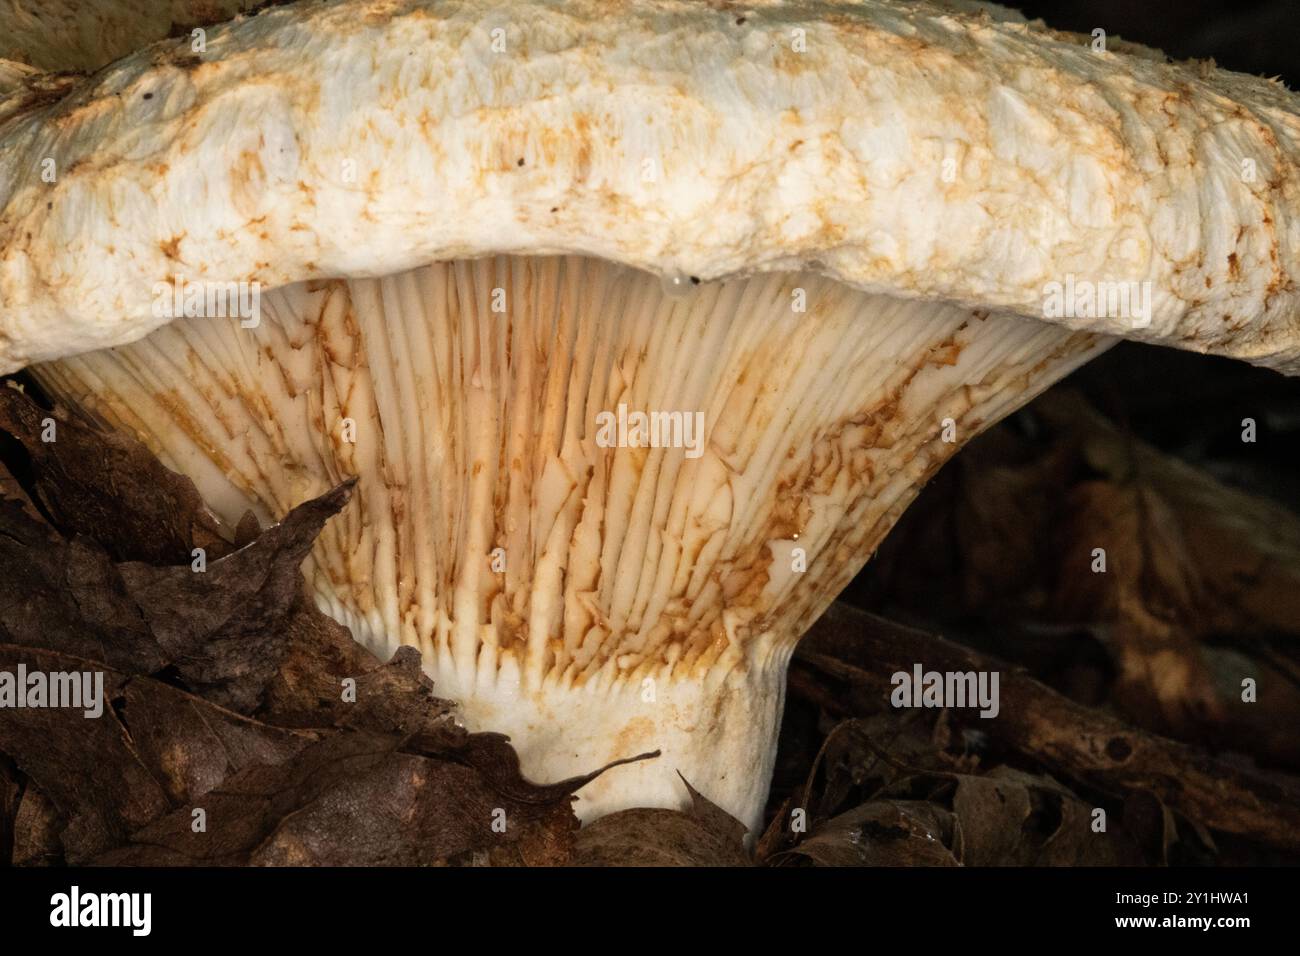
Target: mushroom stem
x=594, y=583
x=716, y=723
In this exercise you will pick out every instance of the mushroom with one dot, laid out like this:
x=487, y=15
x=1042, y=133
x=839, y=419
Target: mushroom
x=639, y=327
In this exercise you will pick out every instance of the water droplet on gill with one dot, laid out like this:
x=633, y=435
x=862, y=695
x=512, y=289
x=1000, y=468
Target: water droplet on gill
x=677, y=285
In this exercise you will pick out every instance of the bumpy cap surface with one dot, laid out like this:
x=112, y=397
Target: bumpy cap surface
x=915, y=150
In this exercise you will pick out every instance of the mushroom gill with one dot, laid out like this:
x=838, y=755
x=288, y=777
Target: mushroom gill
x=592, y=588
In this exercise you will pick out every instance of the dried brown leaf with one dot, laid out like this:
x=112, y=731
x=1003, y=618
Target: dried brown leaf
x=224, y=628
x=880, y=833
x=109, y=487
x=86, y=766
x=37, y=825
x=353, y=799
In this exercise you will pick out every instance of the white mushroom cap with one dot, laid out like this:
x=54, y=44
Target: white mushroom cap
x=230, y=164
x=924, y=176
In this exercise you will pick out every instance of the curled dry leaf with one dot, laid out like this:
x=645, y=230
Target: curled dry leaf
x=223, y=629
x=1011, y=818
x=881, y=833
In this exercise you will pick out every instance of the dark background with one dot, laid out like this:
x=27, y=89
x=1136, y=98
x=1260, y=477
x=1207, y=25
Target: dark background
x=1252, y=36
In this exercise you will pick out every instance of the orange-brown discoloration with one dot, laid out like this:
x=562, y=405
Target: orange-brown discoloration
x=172, y=247
x=828, y=482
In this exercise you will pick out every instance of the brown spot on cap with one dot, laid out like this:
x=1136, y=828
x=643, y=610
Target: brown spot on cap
x=172, y=247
